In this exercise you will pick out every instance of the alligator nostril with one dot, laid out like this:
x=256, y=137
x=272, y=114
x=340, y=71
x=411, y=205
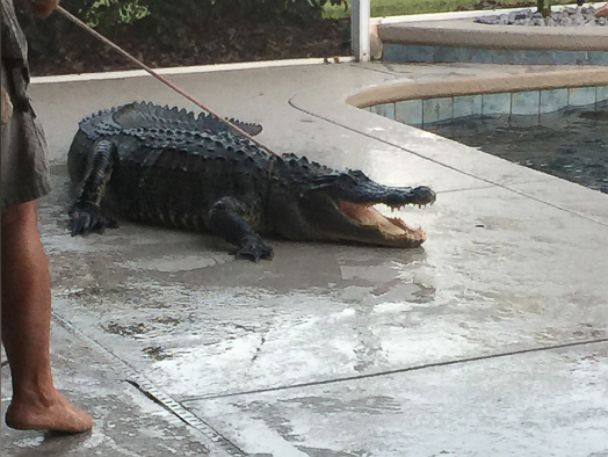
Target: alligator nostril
x=424, y=194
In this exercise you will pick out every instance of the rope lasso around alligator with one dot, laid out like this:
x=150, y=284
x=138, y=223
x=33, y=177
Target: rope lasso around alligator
x=156, y=75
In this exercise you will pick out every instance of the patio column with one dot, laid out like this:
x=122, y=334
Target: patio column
x=360, y=29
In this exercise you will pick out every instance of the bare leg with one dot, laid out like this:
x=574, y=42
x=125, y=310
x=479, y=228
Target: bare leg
x=26, y=316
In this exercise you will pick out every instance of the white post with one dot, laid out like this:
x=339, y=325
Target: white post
x=359, y=27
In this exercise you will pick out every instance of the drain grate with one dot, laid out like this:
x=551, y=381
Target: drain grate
x=216, y=443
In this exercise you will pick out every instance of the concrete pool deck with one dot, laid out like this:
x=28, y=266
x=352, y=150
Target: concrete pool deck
x=491, y=340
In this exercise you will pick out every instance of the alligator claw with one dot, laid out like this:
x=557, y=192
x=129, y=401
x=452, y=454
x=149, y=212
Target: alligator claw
x=87, y=218
x=255, y=250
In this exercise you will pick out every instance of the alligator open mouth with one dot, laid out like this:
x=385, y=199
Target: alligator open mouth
x=391, y=228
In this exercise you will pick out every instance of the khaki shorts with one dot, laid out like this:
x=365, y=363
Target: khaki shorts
x=24, y=171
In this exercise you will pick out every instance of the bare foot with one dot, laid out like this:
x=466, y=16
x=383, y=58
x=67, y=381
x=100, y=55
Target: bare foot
x=603, y=11
x=53, y=414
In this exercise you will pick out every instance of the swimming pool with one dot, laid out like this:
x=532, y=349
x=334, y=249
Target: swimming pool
x=560, y=131
x=570, y=143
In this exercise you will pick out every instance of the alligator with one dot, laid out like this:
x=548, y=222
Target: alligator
x=167, y=166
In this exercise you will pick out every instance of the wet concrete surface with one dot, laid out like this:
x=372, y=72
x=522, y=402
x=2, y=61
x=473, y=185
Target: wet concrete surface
x=333, y=350
x=552, y=403
x=126, y=422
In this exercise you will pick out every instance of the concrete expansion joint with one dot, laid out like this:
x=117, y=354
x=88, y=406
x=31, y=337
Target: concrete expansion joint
x=217, y=444
x=150, y=391
x=425, y=366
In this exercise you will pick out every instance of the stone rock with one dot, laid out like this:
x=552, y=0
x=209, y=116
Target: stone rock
x=567, y=17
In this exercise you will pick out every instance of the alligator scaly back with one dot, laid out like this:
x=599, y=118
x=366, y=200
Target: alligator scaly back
x=141, y=115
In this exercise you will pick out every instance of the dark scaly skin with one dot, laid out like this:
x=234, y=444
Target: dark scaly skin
x=159, y=165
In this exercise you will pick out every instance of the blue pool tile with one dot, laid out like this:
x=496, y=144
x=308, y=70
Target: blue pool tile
x=420, y=53
x=481, y=55
x=502, y=56
x=423, y=53
x=493, y=104
x=598, y=57
x=467, y=105
x=436, y=110
x=386, y=110
x=524, y=107
x=408, y=53
x=393, y=52
x=535, y=57
x=601, y=93
x=581, y=96
x=527, y=102
x=569, y=58
x=452, y=54
x=444, y=54
x=553, y=100
x=409, y=112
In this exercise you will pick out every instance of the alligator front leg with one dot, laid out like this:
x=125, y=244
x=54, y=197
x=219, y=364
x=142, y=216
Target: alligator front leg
x=86, y=215
x=227, y=219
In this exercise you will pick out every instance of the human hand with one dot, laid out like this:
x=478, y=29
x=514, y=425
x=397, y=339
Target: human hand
x=42, y=8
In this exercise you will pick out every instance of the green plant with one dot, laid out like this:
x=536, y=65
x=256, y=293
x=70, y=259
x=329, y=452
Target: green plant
x=544, y=7
x=168, y=15
x=170, y=24
x=108, y=12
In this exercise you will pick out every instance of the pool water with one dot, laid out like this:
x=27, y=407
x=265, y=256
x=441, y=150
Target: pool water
x=571, y=144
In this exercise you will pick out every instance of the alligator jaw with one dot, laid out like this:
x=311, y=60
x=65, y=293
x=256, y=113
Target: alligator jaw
x=393, y=230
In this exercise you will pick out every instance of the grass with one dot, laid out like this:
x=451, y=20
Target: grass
x=403, y=7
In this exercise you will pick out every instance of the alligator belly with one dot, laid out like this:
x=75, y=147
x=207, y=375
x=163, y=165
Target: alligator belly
x=161, y=197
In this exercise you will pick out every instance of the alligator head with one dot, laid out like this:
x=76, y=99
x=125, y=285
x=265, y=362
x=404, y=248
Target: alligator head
x=313, y=202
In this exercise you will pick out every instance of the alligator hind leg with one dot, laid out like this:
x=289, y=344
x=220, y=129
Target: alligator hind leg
x=227, y=219
x=86, y=215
